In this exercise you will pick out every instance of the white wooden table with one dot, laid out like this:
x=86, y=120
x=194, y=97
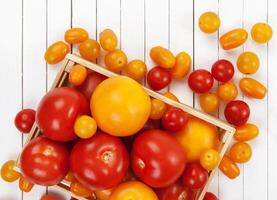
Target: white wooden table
x=29, y=26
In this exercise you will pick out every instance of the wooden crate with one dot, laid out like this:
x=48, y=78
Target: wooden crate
x=226, y=131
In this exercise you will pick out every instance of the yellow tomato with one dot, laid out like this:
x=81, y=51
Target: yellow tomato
x=240, y=152
x=246, y=132
x=120, y=106
x=163, y=57
x=85, y=127
x=103, y=194
x=196, y=137
x=79, y=190
x=56, y=52
x=182, y=65
x=133, y=190
x=209, y=102
x=233, y=38
x=261, y=32
x=77, y=75
x=252, y=88
x=248, y=63
x=158, y=108
x=136, y=69
x=108, y=40
x=116, y=60
x=227, y=91
x=25, y=185
x=209, y=159
x=89, y=49
x=8, y=173
x=75, y=35
x=209, y=22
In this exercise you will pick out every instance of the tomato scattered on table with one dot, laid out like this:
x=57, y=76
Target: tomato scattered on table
x=24, y=120
x=158, y=78
x=200, y=81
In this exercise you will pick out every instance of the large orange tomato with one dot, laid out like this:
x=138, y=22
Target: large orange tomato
x=196, y=137
x=133, y=190
x=120, y=106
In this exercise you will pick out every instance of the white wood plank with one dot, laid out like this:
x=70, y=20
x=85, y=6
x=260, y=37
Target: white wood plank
x=34, y=67
x=205, y=54
x=11, y=87
x=258, y=162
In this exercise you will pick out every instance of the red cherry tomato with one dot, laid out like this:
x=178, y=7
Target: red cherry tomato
x=99, y=162
x=223, y=70
x=157, y=158
x=44, y=162
x=24, y=120
x=158, y=78
x=210, y=196
x=58, y=111
x=237, y=112
x=200, y=81
x=195, y=176
x=174, y=119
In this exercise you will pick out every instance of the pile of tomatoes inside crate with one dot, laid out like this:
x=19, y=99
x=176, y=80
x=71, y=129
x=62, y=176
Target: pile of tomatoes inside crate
x=109, y=140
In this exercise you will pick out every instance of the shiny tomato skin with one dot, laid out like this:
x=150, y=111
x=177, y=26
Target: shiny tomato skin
x=157, y=158
x=237, y=112
x=174, y=119
x=102, y=155
x=210, y=196
x=58, y=111
x=223, y=70
x=195, y=176
x=44, y=161
x=200, y=81
x=24, y=120
x=158, y=78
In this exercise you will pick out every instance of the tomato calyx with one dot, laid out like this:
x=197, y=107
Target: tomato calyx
x=107, y=156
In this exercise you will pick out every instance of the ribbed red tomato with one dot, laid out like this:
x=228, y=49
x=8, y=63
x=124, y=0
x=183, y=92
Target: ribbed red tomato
x=200, y=81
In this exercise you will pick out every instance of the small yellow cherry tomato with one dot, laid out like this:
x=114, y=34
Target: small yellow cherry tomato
x=108, y=40
x=69, y=177
x=116, y=60
x=136, y=69
x=25, y=185
x=246, y=132
x=209, y=102
x=8, y=173
x=248, y=62
x=240, y=152
x=261, y=32
x=227, y=91
x=209, y=22
x=209, y=159
x=228, y=167
x=233, y=38
x=182, y=65
x=158, y=108
x=85, y=126
x=56, y=52
x=252, y=88
x=89, y=49
x=163, y=57
x=171, y=96
x=104, y=194
x=77, y=75
x=79, y=190
x=75, y=35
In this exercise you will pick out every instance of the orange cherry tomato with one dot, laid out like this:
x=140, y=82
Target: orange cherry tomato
x=209, y=22
x=136, y=69
x=229, y=167
x=209, y=102
x=75, y=35
x=171, y=96
x=79, y=190
x=108, y=40
x=56, y=52
x=252, y=88
x=261, y=33
x=233, y=38
x=104, y=194
x=158, y=108
x=248, y=63
x=8, y=173
x=133, y=190
x=209, y=159
x=246, y=132
x=182, y=65
x=85, y=127
x=77, y=75
x=48, y=197
x=240, y=152
x=89, y=49
x=25, y=185
x=116, y=60
x=227, y=91
x=163, y=57
x=69, y=177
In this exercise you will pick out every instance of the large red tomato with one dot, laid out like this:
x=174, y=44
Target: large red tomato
x=44, y=162
x=157, y=158
x=99, y=162
x=57, y=112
